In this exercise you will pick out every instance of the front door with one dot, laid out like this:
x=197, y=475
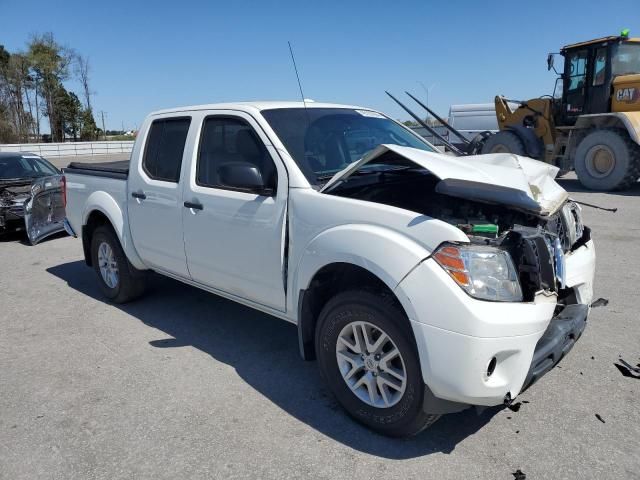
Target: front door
x=599, y=95
x=155, y=195
x=234, y=238
x=575, y=83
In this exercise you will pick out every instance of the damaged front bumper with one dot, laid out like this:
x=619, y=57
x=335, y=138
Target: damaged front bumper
x=475, y=352
x=561, y=335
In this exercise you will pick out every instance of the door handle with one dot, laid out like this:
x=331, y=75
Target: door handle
x=139, y=195
x=195, y=206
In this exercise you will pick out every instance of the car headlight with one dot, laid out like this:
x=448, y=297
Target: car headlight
x=483, y=272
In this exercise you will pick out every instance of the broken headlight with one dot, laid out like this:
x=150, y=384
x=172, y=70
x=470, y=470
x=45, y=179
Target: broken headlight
x=483, y=272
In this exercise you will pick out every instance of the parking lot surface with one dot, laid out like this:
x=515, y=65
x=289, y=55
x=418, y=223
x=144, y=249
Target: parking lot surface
x=183, y=384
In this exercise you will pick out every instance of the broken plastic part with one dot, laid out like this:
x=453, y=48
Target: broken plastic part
x=601, y=302
x=627, y=370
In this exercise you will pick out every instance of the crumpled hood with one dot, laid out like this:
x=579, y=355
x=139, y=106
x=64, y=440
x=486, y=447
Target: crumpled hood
x=502, y=178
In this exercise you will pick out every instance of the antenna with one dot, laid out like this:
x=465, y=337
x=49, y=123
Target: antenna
x=304, y=102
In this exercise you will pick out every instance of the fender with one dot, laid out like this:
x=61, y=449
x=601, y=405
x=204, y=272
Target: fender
x=106, y=204
x=630, y=121
x=387, y=254
x=532, y=144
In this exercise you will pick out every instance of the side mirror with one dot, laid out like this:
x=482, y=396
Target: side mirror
x=550, y=61
x=244, y=176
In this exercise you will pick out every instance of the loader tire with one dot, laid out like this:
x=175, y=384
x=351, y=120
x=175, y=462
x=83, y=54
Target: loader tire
x=504, y=142
x=607, y=159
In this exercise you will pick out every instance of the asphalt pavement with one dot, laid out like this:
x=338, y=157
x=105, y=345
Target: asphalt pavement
x=184, y=384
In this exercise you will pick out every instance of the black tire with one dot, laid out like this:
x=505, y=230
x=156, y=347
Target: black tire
x=504, y=142
x=626, y=160
x=131, y=282
x=406, y=417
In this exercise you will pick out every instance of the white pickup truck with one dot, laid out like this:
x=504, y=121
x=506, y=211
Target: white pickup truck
x=422, y=283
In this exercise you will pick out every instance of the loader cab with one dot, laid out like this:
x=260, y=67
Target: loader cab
x=589, y=70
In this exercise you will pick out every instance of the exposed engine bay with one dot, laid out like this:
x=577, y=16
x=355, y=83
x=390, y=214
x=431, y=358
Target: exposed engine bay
x=537, y=243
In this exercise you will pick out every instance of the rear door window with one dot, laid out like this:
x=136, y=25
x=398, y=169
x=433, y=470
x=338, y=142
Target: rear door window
x=165, y=147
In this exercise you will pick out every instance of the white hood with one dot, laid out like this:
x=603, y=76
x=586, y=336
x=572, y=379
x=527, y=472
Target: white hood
x=502, y=178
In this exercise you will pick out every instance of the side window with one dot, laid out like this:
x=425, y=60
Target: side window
x=599, y=67
x=230, y=140
x=577, y=70
x=165, y=146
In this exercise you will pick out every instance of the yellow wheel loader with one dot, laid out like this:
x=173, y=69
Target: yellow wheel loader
x=592, y=122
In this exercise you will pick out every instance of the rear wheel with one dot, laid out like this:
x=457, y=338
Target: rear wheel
x=504, y=142
x=607, y=160
x=119, y=280
x=368, y=357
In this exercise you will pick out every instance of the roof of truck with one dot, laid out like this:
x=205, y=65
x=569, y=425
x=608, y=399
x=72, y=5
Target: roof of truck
x=257, y=105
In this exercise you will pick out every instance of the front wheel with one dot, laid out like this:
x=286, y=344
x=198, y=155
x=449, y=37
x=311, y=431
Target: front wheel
x=368, y=357
x=119, y=280
x=504, y=142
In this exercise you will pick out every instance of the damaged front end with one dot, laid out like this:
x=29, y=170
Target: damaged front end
x=34, y=205
x=13, y=195
x=503, y=202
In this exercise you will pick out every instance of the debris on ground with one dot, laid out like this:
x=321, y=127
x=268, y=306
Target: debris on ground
x=601, y=302
x=514, y=407
x=627, y=370
x=519, y=475
x=600, y=418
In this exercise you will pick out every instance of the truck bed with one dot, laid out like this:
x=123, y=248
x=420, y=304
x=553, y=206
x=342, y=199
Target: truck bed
x=119, y=169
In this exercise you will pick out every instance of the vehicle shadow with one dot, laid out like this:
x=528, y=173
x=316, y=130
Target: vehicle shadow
x=573, y=185
x=264, y=352
x=20, y=236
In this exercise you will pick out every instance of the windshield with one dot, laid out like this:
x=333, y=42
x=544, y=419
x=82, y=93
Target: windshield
x=323, y=141
x=626, y=59
x=25, y=166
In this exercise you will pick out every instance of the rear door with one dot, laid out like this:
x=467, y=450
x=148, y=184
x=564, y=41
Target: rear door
x=155, y=194
x=235, y=238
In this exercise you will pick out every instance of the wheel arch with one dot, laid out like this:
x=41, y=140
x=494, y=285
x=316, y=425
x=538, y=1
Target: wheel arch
x=628, y=121
x=353, y=256
x=100, y=209
x=531, y=142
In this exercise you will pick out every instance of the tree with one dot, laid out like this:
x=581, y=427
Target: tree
x=69, y=113
x=88, y=130
x=82, y=69
x=50, y=65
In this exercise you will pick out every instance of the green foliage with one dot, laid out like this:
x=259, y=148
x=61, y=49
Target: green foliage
x=88, y=130
x=32, y=85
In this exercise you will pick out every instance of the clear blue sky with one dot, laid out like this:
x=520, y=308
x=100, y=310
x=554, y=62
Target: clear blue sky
x=159, y=54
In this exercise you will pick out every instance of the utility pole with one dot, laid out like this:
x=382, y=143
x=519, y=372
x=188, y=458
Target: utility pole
x=427, y=90
x=104, y=131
